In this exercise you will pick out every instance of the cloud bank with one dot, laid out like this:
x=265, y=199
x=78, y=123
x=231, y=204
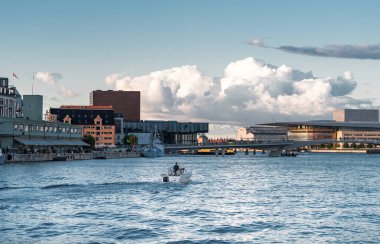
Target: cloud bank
x=337, y=51
x=48, y=78
x=250, y=91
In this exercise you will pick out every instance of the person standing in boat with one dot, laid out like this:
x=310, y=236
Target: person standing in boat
x=175, y=168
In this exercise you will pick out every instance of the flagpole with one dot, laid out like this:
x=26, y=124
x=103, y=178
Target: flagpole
x=32, y=84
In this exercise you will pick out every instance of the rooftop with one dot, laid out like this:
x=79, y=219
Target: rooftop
x=86, y=107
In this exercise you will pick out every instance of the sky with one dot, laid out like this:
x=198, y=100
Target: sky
x=229, y=63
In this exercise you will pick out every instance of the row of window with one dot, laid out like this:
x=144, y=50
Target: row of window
x=99, y=133
x=6, y=91
x=8, y=107
x=98, y=127
x=370, y=135
x=46, y=128
x=106, y=143
x=103, y=138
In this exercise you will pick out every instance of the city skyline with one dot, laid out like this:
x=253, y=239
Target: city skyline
x=229, y=63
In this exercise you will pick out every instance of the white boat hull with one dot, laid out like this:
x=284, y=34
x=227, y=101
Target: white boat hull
x=149, y=153
x=159, y=151
x=183, y=178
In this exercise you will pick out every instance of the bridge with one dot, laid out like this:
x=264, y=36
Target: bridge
x=274, y=147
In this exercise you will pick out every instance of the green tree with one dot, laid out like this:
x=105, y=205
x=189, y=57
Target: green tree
x=90, y=140
x=369, y=145
x=353, y=145
x=330, y=146
x=361, y=145
x=345, y=145
x=130, y=140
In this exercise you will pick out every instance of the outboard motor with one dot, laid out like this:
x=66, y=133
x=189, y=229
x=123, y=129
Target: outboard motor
x=165, y=179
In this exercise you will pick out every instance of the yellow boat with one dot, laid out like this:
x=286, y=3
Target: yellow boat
x=212, y=152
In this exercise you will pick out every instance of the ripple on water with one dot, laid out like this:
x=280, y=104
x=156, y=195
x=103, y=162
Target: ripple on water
x=136, y=233
x=244, y=228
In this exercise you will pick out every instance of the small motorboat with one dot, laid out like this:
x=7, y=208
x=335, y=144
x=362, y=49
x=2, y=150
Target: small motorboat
x=181, y=176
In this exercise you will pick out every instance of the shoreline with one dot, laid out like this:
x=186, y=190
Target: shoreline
x=38, y=157
x=337, y=151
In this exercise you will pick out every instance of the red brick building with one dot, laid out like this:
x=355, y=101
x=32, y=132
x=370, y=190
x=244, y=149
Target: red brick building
x=125, y=102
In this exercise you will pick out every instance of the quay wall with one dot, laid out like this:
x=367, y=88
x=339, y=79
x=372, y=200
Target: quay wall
x=337, y=150
x=15, y=158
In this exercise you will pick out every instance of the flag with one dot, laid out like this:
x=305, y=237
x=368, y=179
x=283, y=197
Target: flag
x=14, y=75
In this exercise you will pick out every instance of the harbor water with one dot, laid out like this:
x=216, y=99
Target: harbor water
x=232, y=199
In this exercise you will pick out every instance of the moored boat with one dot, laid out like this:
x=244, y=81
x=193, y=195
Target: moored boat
x=157, y=144
x=1, y=157
x=149, y=152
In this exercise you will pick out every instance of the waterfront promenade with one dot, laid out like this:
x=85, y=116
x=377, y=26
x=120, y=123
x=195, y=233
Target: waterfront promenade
x=37, y=157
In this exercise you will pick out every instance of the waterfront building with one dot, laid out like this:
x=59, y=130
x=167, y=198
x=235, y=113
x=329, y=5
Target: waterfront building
x=32, y=107
x=27, y=133
x=97, y=121
x=125, y=102
x=10, y=100
x=349, y=124
x=319, y=130
x=170, y=132
x=356, y=115
x=262, y=133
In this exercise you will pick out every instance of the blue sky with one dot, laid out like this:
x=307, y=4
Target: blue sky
x=84, y=42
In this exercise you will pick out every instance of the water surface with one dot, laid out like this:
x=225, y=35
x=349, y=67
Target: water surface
x=239, y=199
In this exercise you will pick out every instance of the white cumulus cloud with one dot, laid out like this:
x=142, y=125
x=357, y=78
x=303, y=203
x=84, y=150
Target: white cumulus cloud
x=66, y=92
x=250, y=91
x=48, y=78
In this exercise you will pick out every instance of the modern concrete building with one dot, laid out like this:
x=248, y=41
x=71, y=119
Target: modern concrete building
x=319, y=130
x=262, y=133
x=348, y=124
x=32, y=107
x=356, y=115
x=170, y=132
x=10, y=100
x=97, y=121
x=125, y=102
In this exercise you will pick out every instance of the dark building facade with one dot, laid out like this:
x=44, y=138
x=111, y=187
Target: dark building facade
x=97, y=121
x=84, y=115
x=125, y=102
x=170, y=132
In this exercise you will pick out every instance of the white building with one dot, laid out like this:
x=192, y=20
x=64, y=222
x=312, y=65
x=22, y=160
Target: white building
x=262, y=133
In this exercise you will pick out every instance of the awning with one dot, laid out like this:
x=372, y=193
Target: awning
x=51, y=142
